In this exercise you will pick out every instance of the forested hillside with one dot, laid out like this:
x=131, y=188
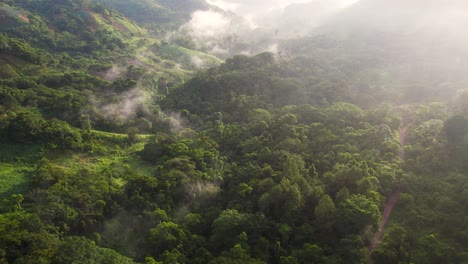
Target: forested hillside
x=162, y=14
x=120, y=144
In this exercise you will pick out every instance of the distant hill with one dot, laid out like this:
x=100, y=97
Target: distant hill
x=403, y=17
x=83, y=28
x=89, y=53
x=401, y=44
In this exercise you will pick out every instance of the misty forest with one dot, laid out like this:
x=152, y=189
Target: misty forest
x=233, y=131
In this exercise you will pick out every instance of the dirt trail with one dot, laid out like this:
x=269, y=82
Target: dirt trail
x=24, y=18
x=385, y=216
x=393, y=199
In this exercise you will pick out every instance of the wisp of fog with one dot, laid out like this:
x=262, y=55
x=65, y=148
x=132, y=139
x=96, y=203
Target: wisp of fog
x=258, y=24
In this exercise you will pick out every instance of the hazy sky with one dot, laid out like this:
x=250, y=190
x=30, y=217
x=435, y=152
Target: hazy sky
x=281, y=18
x=264, y=5
x=255, y=11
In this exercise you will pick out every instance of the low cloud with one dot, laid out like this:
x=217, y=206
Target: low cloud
x=111, y=74
x=198, y=63
x=215, y=31
x=127, y=107
x=176, y=122
x=256, y=24
x=208, y=24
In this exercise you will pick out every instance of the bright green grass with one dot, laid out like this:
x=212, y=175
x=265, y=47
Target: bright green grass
x=119, y=159
x=13, y=178
x=128, y=25
x=108, y=135
x=16, y=163
x=119, y=165
x=186, y=56
x=135, y=163
x=20, y=153
x=111, y=139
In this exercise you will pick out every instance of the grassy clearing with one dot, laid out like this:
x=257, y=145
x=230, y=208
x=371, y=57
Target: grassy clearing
x=118, y=165
x=117, y=138
x=20, y=153
x=14, y=178
x=132, y=28
x=16, y=163
x=120, y=158
x=117, y=23
x=187, y=56
x=135, y=163
x=108, y=135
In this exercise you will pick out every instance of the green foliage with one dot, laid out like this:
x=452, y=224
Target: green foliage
x=262, y=159
x=356, y=213
x=393, y=248
x=14, y=178
x=455, y=128
x=188, y=57
x=7, y=72
x=81, y=250
x=23, y=237
x=166, y=236
x=23, y=50
x=156, y=12
x=325, y=212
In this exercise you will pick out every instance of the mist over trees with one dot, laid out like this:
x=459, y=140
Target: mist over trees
x=237, y=131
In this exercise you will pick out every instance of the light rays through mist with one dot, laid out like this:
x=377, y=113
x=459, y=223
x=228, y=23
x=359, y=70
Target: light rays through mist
x=258, y=25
